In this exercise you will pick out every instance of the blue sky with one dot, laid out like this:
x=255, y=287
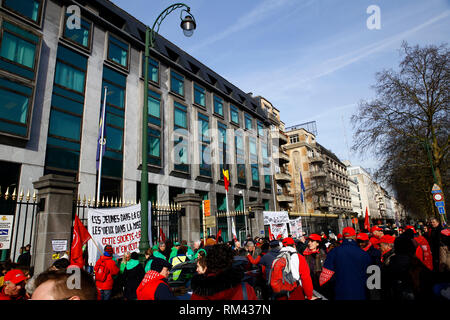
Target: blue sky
x=313, y=59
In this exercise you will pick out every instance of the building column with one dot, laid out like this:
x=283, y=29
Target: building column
x=189, y=223
x=54, y=221
x=256, y=223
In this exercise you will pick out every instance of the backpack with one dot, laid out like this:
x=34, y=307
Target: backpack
x=101, y=271
x=281, y=279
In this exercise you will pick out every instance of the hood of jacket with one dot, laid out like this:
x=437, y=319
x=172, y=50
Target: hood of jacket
x=131, y=264
x=210, y=284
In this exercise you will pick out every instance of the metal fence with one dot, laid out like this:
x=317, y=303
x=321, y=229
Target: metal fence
x=164, y=217
x=24, y=208
x=241, y=222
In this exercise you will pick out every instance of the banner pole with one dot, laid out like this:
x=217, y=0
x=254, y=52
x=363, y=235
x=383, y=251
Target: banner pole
x=101, y=148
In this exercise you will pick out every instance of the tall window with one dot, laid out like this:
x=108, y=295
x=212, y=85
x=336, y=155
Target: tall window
x=181, y=145
x=260, y=128
x=218, y=105
x=115, y=114
x=154, y=108
x=266, y=165
x=204, y=147
x=294, y=138
x=222, y=128
x=154, y=147
x=18, y=50
x=199, y=95
x=64, y=133
x=80, y=36
x=177, y=83
x=118, y=51
x=153, y=69
x=254, y=161
x=234, y=114
x=248, y=122
x=240, y=157
x=29, y=9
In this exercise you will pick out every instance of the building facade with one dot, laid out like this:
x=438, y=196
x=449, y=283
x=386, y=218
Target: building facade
x=55, y=80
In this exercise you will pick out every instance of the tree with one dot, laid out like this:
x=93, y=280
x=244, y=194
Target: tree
x=409, y=115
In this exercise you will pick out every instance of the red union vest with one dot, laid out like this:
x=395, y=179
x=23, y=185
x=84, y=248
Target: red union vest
x=423, y=252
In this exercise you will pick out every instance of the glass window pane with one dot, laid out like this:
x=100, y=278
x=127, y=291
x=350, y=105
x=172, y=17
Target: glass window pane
x=64, y=125
x=180, y=118
x=69, y=77
x=114, y=138
x=218, y=105
x=13, y=106
x=18, y=50
x=79, y=35
x=199, y=95
x=115, y=95
x=154, y=146
x=154, y=107
x=27, y=8
x=118, y=51
x=177, y=83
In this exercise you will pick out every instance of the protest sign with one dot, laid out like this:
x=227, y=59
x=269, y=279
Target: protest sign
x=279, y=229
x=6, y=224
x=295, y=227
x=275, y=217
x=118, y=227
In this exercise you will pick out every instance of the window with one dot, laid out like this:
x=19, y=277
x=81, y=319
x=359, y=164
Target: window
x=115, y=114
x=153, y=69
x=181, y=137
x=254, y=161
x=199, y=95
x=260, y=128
x=118, y=51
x=154, y=108
x=18, y=50
x=240, y=157
x=293, y=138
x=204, y=149
x=234, y=114
x=64, y=134
x=266, y=165
x=30, y=9
x=14, y=107
x=80, y=36
x=154, y=147
x=218, y=105
x=222, y=128
x=177, y=83
x=248, y=122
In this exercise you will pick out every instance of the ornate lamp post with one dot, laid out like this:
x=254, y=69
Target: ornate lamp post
x=188, y=25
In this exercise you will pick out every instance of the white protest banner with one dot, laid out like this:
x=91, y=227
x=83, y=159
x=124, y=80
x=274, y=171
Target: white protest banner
x=295, y=226
x=279, y=229
x=118, y=227
x=275, y=217
x=6, y=223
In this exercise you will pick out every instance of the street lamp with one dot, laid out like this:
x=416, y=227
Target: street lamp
x=188, y=25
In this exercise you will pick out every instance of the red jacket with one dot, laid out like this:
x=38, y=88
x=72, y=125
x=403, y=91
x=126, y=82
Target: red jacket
x=423, y=252
x=4, y=296
x=297, y=292
x=148, y=285
x=113, y=270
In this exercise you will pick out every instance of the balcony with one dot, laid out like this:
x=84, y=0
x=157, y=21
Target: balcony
x=283, y=177
x=320, y=189
x=281, y=157
x=318, y=174
x=316, y=159
x=280, y=137
x=285, y=198
x=322, y=204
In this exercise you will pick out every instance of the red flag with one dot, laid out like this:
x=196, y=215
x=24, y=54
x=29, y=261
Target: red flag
x=79, y=239
x=366, y=221
x=271, y=237
x=219, y=234
x=162, y=236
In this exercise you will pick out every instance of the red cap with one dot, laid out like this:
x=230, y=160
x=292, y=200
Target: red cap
x=348, y=232
x=375, y=228
x=314, y=237
x=410, y=227
x=288, y=241
x=15, y=276
x=446, y=232
x=279, y=236
x=387, y=239
x=374, y=241
x=339, y=236
x=362, y=236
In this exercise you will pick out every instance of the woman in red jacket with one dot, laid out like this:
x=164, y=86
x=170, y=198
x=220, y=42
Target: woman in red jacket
x=105, y=269
x=221, y=281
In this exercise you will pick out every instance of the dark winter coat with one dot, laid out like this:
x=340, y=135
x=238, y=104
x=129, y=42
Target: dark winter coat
x=132, y=277
x=267, y=260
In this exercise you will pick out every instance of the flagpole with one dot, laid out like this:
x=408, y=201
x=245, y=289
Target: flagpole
x=101, y=147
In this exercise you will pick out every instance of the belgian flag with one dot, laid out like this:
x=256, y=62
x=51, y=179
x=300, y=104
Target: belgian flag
x=226, y=178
